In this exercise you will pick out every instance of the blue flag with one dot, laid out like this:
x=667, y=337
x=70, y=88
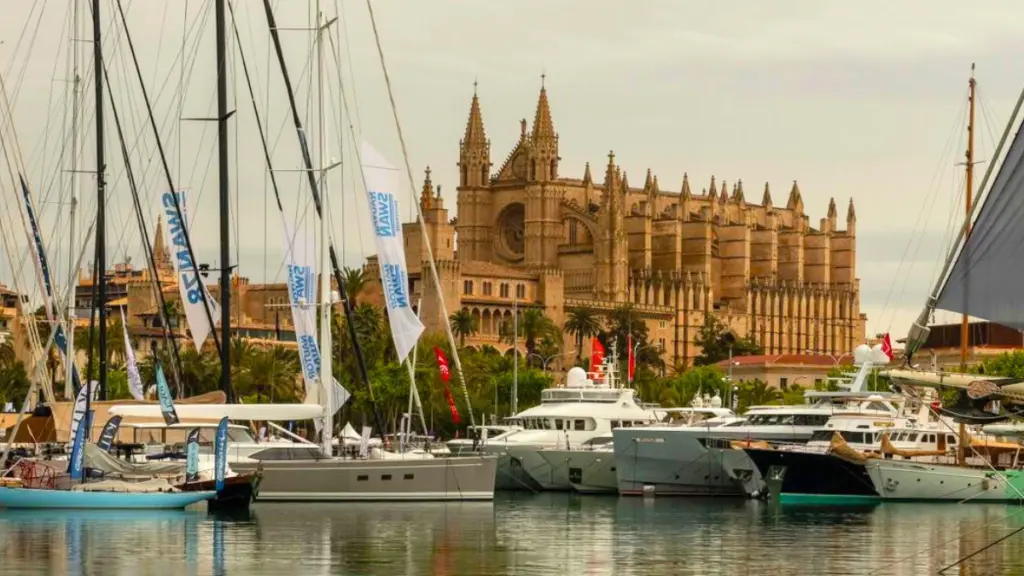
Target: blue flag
x=78, y=449
x=163, y=391
x=192, y=456
x=109, y=432
x=220, y=448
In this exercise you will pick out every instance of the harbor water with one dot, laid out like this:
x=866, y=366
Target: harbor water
x=521, y=534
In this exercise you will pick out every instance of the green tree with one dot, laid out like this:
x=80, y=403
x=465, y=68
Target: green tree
x=582, y=322
x=625, y=325
x=716, y=340
x=355, y=281
x=757, y=393
x=463, y=324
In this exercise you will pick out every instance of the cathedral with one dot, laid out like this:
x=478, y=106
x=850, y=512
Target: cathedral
x=524, y=235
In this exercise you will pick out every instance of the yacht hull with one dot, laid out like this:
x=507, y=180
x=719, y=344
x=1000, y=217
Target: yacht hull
x=548, y=477
x=437, y=479
x=814, y=478
x=669, y=463
x=914, y=481
x=589, y=472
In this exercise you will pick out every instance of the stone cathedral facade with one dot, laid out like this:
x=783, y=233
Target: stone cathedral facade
x=526, y=235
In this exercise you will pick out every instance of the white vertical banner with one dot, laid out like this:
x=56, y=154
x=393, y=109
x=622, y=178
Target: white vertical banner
x=364, y=441
x=192, y=289
x=382, y=183
x=301, y=258
x=134, y=378
x=79, y=410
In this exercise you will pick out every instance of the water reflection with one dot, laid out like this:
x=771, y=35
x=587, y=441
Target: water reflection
x=518, y=534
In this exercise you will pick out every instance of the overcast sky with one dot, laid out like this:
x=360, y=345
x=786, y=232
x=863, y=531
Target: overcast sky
x=854, y=100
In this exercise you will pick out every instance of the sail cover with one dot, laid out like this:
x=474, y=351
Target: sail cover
x=987, y=277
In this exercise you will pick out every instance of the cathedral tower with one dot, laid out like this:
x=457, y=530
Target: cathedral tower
x=542, y=223
x=474, y=226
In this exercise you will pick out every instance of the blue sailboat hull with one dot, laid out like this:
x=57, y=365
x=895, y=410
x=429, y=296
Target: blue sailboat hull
x=67, y=499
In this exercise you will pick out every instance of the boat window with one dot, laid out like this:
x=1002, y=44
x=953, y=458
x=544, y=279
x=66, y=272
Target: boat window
x=931, y=438
x=913, y=437
x=385, y=476
x=558, y=423
x=409, y=476
x=580, y=424
x=809, y=420
x=240, y=435
x=821, y=435
x=362, y=478
x=950, y=439
x=876, y=405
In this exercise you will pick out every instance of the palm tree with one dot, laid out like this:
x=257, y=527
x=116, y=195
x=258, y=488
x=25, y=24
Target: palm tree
x=354, y=281
x=170, y=310
x=582, y=322
x=535, y=326
x=274, y=373
x=463, y=324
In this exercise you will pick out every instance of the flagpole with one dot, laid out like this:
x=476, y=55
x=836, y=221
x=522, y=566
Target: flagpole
x=514, y=407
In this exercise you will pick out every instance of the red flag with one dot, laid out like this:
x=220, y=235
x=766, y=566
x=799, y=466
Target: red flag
x=631, y=363
x=596, y=355
x=887, y=345
x=446, y=374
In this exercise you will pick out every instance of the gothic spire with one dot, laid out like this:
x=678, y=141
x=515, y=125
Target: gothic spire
x=160, y=256
x=685, y=192
x=737, y=194
x=647, y=182
x=427, y=193
x=766, y=199
x=795, y=202
x=587, y=180
x=725, y=193
x=625, y=183
x=713, y=188
x=832, y=213
x=543, y=127
x=475, y=134
x=609, y=172
x=851, y=214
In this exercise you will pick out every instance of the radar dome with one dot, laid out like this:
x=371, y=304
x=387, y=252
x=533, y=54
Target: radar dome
x=716, y=401
x=576, y=378
x=861, y=354
x=877, y=356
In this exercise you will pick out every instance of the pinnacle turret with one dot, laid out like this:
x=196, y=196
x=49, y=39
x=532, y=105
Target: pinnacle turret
x=766, y=199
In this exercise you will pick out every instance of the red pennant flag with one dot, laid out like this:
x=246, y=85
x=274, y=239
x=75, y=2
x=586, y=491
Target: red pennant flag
x=446, y=374
x=887, y=345
x=596, y=355
x=631, y=363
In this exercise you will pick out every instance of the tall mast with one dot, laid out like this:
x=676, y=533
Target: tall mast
x=225, y=235
x=326, y=374
x=968, y=205
x=514, y=403
x=101, y=193
x=76, y=93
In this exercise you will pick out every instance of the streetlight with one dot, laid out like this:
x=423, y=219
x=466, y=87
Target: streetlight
x=639, y=346
x=544, y=360
x=835, y=359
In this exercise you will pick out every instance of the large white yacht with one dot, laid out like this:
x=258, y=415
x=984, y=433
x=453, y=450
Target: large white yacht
x=567, y=416
x=591, y=467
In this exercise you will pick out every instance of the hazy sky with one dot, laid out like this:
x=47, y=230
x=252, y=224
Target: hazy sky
x=854, y=100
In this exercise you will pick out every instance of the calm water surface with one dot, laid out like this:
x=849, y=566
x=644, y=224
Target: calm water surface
x=519, y=534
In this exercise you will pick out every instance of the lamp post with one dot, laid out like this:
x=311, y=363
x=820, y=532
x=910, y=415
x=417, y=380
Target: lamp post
x=545, y=359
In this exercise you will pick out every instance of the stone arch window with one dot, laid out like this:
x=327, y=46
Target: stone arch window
x=486, y=324
x=467, y=287
x=574, y=231
x=463, y=175
x=520, y=291
x=533, y=169
x=503, y=290
x=554, y=164
x=483, y=174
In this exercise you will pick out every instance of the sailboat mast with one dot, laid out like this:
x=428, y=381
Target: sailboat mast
x=101, y=193
x=514, y=404
x=225, y=232
x=76, y=92
x=968, y=199
x=326, y=356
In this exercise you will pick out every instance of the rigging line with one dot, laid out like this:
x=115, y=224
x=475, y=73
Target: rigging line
x=159, y=43
x=21, y=38
x=15, y=89
x=167, y=172
x=943, y=544
x=263, y=140
x=426, y=243
x=999, y=540
x=155, y=283
x=932, y=190
x=181, y=92
x=318, y=203
x=41, y=146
